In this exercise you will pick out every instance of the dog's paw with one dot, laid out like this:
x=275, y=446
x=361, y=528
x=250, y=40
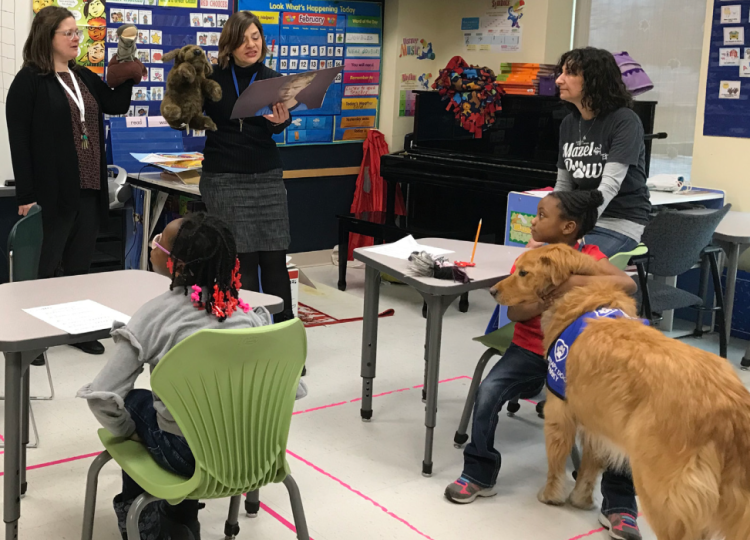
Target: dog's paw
x=551, y=495
x=582, y=500
x=215, y=93
x=210, y=125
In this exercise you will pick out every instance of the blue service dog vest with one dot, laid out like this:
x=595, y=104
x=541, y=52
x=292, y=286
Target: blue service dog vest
x=557, y=355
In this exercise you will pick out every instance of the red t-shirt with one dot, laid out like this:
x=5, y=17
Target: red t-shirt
x=528, y=334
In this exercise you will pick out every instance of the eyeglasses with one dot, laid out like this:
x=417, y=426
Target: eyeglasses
x=155, y=244
x=71, y=34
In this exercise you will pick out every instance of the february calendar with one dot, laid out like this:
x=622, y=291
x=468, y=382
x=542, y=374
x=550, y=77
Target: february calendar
x=325, y=34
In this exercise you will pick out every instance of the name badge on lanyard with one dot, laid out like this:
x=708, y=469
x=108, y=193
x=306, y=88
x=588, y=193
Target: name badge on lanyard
x=77, y=98
x=237, y=87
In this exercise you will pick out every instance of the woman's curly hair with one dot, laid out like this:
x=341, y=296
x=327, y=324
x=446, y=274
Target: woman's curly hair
x=603, y=88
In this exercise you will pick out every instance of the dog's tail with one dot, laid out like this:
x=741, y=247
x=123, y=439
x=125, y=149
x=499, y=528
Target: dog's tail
x=691, y=497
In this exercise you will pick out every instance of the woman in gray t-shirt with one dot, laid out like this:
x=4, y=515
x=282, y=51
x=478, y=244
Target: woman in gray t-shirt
x=602, y=147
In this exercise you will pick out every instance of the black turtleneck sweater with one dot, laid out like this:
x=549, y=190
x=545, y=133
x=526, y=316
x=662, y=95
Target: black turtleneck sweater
x=229, y=150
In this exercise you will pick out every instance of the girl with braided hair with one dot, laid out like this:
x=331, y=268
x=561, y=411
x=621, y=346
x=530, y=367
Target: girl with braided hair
x=563, y=217
x=199, y=254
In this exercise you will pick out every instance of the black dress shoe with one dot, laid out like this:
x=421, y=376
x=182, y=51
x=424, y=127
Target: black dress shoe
x=38, y=361
x=90, y=347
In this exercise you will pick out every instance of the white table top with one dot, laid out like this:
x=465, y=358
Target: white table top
x=734, y=228
x=155, y=179
x=697, y=194
x=124, y=291
x=493, y=262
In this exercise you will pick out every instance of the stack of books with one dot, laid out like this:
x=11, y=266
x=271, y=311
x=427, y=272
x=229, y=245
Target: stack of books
x=526, y=79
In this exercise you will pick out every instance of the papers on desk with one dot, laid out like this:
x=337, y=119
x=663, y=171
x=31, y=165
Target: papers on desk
x=78, y=317
x=405, y=247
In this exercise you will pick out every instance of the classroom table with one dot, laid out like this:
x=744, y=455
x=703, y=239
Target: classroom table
x=23, y=337
x=733, y=235
x=493, y=262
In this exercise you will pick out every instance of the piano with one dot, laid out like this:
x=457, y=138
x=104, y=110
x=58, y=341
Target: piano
x=451, y=180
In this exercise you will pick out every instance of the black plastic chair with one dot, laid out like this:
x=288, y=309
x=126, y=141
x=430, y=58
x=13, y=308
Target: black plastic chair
x=676, y=241
x=24, y=250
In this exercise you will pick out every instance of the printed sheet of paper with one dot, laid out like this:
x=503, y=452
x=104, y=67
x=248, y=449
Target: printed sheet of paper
x=405, y=247
x=78, y=317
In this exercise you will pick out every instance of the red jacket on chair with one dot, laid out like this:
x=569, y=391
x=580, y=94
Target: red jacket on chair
x=370, y=194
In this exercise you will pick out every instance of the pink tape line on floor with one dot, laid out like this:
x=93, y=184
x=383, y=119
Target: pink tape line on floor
x=360, y=494
x=281, y=519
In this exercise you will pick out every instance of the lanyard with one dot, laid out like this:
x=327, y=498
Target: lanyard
x=237, y=86
x=77, y=98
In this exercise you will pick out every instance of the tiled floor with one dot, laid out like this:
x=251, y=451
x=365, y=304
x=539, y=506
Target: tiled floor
x=358, y=481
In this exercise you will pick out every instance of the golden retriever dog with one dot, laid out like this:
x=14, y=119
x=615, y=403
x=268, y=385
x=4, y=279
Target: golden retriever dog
x=679, y=415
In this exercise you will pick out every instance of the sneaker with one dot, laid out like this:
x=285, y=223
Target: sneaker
x=464, y=492
x=621, y=526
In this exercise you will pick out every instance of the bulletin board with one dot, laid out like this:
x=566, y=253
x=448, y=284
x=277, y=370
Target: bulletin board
x=164, y=25
x=91, y=20
x=322, y=34
x=727, y=112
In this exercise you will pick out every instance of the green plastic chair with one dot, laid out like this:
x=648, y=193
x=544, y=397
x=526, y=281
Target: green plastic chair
x=621, y=260
x=24, y=251
x=232, y=394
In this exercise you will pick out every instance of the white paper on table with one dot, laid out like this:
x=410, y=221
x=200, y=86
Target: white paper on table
x=78, y=317
x=405, y=247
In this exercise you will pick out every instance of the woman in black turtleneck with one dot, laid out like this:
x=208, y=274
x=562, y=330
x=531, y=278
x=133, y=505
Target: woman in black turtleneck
x=242, y=179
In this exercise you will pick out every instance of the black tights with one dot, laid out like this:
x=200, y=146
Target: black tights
x=274, y=274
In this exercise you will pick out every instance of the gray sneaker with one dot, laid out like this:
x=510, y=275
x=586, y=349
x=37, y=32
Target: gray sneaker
x=464, y=492
x=621, y=526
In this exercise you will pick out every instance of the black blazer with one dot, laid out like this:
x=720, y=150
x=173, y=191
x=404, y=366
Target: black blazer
x=45, y=162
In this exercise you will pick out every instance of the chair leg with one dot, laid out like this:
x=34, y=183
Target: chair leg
x=461, y=437
x=703, y=293
x=89, y=505
x=252, y=504
x=49, y=379
x=297, y=510
x=463, y=303
x=575, y=456
x=343, y=253
x=134, y=515
x=513, y=406
x=51, y=386
x=645, y=298
x=232, y=526
x=720, y=315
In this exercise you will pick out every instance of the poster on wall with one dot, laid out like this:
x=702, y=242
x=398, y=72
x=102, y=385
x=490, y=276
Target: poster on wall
x=727, y=112
x=91, y=18
x=407, y=84
x=419, y=48
x=324, y=34
x=495, y=32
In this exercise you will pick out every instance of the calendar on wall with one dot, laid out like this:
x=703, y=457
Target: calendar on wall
x=324, y=34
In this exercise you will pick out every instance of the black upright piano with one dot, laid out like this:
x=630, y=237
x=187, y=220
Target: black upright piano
x=452, y=180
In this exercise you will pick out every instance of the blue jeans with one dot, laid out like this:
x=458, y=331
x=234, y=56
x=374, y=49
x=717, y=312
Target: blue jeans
x=522, y=373
x=518, y=373
x=610, y=242
x=172, y=453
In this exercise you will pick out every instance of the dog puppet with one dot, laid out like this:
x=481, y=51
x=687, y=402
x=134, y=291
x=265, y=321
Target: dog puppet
x=678, y=415
x=187, y=86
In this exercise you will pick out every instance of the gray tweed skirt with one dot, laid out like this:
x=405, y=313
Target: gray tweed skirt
x=253, y=205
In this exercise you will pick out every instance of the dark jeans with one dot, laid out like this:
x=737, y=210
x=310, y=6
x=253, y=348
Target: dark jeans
x=171, y=452
x=518, y=373
x=610, y=242
x=70, y=238
x=273, y=274
x=522, y=373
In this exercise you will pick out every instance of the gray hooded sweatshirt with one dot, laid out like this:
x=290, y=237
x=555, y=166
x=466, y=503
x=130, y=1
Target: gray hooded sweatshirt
x=154, y=329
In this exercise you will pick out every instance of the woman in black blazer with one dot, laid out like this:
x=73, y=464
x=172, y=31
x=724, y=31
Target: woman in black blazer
x=54, y=113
